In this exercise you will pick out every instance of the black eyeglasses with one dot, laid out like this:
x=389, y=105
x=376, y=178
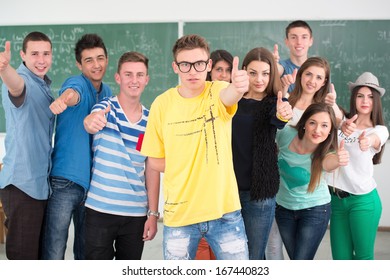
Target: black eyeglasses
x=185, y=66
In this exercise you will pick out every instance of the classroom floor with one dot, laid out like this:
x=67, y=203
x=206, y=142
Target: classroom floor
x=153, y=249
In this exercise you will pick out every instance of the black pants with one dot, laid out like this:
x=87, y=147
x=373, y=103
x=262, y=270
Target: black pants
x=24, y=218
x=113, y=236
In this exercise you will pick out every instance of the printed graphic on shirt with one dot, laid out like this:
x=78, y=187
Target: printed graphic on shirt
x=206, y=125
x=293, y=176
x=347, y=139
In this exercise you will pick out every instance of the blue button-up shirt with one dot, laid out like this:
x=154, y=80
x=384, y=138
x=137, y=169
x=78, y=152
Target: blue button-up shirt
x=28, y=140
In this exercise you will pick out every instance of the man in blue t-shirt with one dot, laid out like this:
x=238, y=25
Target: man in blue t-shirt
x=72, y=156
x=299, y=38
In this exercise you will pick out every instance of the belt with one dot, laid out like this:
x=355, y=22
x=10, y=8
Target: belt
x=339, y=193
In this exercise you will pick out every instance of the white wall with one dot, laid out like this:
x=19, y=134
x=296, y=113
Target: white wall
x=24, y=12
x=382, y=177
x=39, y=12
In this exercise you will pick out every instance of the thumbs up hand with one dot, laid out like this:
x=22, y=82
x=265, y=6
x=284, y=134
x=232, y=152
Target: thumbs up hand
x=5, y=56
x=342, y=154
x=364, y=142
x=288, y=80
x=330, y=98
x=283, y=109
x=96, y=121
x=62, y=102
x=349, y=126
x=240, y=79
x=276, y=53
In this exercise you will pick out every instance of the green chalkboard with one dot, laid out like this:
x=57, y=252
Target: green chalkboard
x=155, y=40
x=351, y=47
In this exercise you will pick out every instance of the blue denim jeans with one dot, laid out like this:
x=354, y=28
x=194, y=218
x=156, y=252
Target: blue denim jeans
x=66, y=202
x=226, y=237
x=302, y=230
x=258, y=217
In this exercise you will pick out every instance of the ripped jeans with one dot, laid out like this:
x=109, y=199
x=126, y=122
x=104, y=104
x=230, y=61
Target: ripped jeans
x=226, y=237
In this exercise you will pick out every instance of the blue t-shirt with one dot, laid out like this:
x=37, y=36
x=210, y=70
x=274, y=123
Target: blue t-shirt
x=72, y=155
x=295, y=170
x=289, y=67
x=28, y=142
x=118, y=177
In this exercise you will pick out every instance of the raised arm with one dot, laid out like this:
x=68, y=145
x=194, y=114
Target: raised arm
x=8, y=74
x=367, y=141
x=330, y=99
x=349, y=126
x=288, y=80
x=277, y=58
x=96, y=121
x=240, y=84
x=283, y=109
x=69, y=97
x=335, y=160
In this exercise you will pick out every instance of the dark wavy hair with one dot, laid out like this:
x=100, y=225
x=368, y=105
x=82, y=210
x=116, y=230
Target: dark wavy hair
x=376, y=114
x=220, y=55
x=88, y=41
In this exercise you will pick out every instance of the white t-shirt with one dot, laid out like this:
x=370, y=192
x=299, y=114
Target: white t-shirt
x=358, y=176
x=296, y=116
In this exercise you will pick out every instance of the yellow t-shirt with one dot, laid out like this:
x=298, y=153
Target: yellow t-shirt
x=194, y=137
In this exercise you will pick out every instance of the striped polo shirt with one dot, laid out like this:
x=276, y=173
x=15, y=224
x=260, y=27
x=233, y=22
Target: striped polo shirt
x=118, y=172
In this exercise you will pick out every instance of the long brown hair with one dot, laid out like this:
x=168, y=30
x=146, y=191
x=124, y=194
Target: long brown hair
x=330, y=143
x=264, y=55
x=320, y=95
x=376, y=114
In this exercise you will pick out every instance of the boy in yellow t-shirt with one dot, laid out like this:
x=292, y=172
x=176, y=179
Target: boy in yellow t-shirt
x=188, y=137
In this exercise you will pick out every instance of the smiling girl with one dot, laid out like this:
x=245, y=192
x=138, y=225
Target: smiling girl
x=303, y=200
x=312, y=85
x=356, y=205
x=261, y=112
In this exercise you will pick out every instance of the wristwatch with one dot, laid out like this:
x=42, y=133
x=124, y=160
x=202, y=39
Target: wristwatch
x=153, y=213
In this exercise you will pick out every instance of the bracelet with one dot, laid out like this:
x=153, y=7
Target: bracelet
x=153, y=213
x=281, y=118
x=341, y=124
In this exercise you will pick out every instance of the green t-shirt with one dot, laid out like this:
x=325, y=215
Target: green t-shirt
x=295, y=176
